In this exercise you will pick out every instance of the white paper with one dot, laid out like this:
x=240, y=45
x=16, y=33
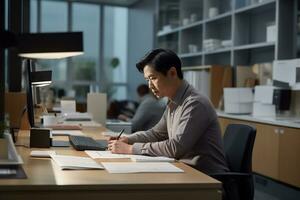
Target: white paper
x=139, y=167
x=75, y=162
x=105, y=154
x=66, y=132
x=68, y=106
x=77, y=116
x=140, y=158
x=136, y=158
x=42, y=154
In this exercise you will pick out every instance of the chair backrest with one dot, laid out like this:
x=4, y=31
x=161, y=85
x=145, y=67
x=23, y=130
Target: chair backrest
x=238, y=145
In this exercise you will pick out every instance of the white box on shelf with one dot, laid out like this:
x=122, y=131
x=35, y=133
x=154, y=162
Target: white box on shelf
x=271, y=33
x=238, y=100
x=238, y=108
x=264, y=93
x=287, y=71
x=263, y=110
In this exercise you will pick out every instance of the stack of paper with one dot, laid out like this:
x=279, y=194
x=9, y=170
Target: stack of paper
x=136, y=158
x=75, y=162
x=134, y=167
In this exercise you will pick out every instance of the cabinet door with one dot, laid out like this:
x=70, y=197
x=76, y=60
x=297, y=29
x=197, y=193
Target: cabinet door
x=289, y=156
x=266, y=150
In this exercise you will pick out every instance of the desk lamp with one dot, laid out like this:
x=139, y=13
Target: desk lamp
x=45, y=46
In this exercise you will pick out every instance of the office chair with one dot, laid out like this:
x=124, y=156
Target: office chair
x=238, y=145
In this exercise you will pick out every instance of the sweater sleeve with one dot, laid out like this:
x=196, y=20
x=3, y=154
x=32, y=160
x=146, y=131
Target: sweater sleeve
x=192, y=123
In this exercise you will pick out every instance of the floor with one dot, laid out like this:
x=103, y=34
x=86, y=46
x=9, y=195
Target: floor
x=267, y=189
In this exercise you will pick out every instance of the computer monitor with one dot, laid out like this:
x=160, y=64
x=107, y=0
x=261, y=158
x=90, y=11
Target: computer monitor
x=34, y=80
x=28, y=82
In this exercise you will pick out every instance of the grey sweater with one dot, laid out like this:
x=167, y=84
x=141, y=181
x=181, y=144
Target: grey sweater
x=188, y=131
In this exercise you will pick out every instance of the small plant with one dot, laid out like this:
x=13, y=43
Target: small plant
x=3, y=127
x=114, y=62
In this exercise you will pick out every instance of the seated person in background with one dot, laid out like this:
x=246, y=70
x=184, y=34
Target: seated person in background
x=148, y=112
x=125, y=107
x=188, y=131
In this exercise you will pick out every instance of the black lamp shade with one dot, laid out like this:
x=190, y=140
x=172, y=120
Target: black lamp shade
x=41, y=78
x=50, y=45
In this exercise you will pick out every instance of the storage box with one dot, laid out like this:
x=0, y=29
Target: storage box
x=264, y=93
x=238, y=100
x=263, y=110
x=271, y=33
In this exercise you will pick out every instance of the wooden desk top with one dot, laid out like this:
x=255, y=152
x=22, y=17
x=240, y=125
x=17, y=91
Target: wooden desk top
x=43, y=174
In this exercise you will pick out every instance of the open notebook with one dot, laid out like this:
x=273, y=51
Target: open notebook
x=75, y=162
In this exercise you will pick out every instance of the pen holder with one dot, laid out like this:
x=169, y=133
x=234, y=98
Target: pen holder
x=40, y=138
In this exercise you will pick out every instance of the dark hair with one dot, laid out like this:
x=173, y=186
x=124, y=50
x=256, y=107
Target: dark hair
x=161, y=60
x=142, y=89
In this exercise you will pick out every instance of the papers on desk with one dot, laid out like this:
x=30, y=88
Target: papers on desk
x=82, y=123
x=77, y=116
x=136, y=158
x=134, y=167
x=66, y=132
x=75, y=162
x=140, y=158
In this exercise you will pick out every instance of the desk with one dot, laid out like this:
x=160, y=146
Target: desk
x=46, y=181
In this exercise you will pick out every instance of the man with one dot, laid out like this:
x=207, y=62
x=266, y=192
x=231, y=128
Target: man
x=188, y=131
x=148, y=112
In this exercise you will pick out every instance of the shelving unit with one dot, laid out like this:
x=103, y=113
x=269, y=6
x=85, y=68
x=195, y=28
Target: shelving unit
x=227, y=32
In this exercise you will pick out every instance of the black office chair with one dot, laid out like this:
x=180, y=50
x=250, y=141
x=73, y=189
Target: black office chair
x=238, y=145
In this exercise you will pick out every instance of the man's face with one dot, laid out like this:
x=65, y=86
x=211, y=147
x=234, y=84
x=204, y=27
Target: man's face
x=157, y=82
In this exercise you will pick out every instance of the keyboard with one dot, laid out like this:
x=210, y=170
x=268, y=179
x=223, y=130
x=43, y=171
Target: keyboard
x=81, y=143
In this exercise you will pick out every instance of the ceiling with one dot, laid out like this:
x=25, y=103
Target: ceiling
x=124, y=3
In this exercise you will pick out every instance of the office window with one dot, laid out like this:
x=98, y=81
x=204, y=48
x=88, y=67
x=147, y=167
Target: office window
x=54, y=16
x=84, y=67
x=92, y=71
x=115, y=50
x=33, y=16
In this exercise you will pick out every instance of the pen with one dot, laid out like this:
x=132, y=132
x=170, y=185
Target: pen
x=120, y=134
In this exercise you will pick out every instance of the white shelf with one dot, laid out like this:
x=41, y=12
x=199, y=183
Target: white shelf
x=218, y=17
x=223, y=50
x=254, y=46
x=192, y=25
x=255, y=6
x=174, y=30
x=186, y=55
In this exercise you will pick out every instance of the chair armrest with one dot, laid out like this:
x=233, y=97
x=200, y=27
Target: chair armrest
x=229, y=176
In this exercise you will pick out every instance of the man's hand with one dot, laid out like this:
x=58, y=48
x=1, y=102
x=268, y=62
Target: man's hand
x=122, y=139
x=117, y=146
